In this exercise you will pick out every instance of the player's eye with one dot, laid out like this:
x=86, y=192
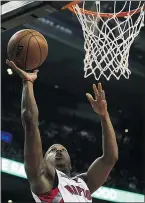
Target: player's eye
x=53, y=150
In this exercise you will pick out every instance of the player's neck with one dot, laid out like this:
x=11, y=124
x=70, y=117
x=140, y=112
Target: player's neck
x=64, y=170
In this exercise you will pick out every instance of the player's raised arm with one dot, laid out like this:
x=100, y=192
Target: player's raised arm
x=35, y=167
x=33, y=157
x=101, y=167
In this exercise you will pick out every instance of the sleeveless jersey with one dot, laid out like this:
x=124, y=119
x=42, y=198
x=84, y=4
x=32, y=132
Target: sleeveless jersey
x=68, y=190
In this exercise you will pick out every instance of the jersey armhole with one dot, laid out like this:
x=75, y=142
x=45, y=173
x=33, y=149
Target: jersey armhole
x=83, y=176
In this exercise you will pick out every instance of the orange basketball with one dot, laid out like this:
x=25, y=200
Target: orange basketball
x=28, y=49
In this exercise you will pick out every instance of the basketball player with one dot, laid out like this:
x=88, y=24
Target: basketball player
x=49, y=176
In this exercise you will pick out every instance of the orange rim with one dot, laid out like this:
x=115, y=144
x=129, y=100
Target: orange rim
x=105, y=15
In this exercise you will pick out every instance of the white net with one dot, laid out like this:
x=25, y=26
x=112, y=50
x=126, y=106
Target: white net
x=108, y=40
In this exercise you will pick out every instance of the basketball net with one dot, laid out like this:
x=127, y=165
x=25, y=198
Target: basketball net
x=108, y=38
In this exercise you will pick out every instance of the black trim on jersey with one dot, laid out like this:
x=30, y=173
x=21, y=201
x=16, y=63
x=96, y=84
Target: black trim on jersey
x=55, y=184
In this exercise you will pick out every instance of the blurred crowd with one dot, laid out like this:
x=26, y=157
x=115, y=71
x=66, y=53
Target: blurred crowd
x=84, y=145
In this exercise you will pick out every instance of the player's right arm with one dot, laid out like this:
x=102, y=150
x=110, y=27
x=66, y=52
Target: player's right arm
x=40, y=175
x=36, y=170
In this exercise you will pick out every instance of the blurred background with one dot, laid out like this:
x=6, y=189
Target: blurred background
x=65, y=115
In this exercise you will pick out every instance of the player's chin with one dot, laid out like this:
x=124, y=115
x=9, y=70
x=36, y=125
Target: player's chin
x=60, y=159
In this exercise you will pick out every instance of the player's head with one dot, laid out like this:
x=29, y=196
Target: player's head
x=58, y=156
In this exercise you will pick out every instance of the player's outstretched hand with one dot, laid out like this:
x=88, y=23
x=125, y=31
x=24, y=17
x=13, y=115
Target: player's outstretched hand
x=24, y=75
x=98, y=103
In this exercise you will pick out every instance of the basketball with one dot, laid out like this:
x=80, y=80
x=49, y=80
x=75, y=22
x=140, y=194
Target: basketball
x=28, y=49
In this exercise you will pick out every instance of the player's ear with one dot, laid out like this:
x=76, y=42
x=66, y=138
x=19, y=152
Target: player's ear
x=70, y=167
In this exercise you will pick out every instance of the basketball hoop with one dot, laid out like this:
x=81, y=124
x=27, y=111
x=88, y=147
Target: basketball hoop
x=108, y=36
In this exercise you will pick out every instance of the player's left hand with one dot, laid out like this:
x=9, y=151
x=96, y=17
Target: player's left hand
x=98, y=104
